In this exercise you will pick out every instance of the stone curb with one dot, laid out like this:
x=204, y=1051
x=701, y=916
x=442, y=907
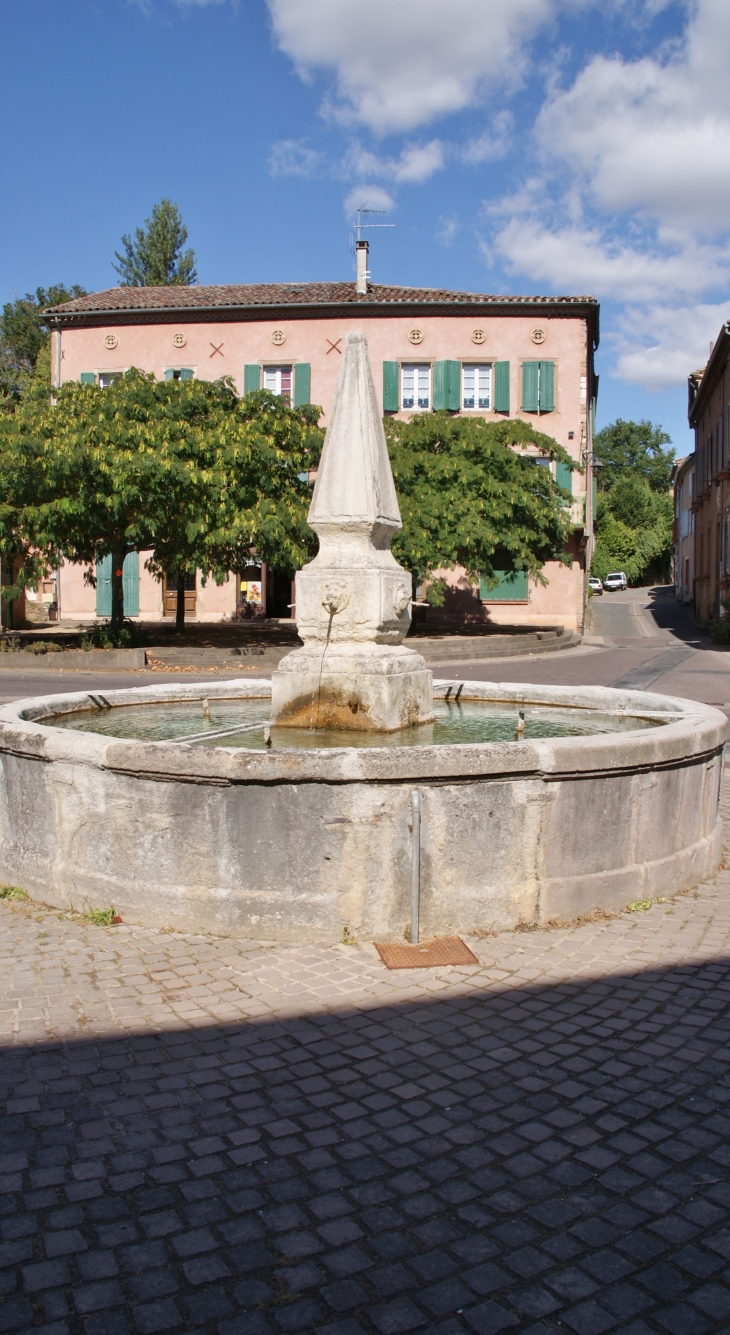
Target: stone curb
x=73, y=658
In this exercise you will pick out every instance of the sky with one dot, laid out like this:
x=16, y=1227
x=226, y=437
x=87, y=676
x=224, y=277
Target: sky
x=519, y=146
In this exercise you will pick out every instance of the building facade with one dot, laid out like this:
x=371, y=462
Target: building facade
x=683, y=480
x=493, y=357
x=709, y=418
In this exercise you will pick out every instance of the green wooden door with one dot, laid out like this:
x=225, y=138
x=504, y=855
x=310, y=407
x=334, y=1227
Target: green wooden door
x=130, y=581
x=104, y=587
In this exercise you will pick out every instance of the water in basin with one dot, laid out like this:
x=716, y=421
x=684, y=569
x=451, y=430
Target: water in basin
x=454, y=722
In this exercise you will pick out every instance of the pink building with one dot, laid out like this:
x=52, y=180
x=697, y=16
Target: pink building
x=493, y=356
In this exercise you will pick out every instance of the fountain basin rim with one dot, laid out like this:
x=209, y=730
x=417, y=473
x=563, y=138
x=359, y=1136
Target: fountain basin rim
x=692, y=730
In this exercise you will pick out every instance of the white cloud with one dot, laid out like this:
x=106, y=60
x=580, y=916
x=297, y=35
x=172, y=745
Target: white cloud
x=494, y=142
x=402, y=63
x=657, y=347
x=580, y=259
x=368, y=197
x=416, y=162
x=449, y=228
x=653, y=135
x=294, y=157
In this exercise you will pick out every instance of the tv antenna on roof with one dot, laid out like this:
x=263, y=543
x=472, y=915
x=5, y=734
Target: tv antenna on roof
x=359, y=225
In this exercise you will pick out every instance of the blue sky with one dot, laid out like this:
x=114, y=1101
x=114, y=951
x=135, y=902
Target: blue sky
x=519, y=145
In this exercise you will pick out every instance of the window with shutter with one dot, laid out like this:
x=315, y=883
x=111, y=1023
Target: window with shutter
x=564, y=476
x=446, y=385
x=530, y=383
x=87, y=378
x=538, y=387
x=511, y=587
x=476, y=387
x=251, y=378
x=415, y=388
x=390, y=387
x=547, y=387
x=302, y=384
x=501, y=387
x=179, y=373
x=278, y=380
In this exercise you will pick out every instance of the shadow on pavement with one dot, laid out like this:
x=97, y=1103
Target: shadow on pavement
x=533, y=1160
x=676, y=618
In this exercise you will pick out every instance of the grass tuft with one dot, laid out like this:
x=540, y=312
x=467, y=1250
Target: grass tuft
x=102, y=917
x=13, y=892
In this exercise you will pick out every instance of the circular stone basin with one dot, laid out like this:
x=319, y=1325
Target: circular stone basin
x=608, y=797
x=241, y=723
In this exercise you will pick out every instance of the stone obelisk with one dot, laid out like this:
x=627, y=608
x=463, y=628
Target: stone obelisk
x=353, y=600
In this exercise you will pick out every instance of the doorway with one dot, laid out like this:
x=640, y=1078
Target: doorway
x=169, y=594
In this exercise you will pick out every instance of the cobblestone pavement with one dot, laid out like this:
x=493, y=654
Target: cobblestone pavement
x=204, y=1135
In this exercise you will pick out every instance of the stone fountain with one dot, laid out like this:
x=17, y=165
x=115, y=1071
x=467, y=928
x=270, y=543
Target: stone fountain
x=353, y=600
x=296, y=826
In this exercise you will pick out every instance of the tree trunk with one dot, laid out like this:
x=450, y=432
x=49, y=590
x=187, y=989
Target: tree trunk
x=117, y=619
x=180, y=603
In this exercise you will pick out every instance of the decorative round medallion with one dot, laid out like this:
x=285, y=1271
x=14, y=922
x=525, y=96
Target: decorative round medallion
x=179, y=339
x=478, y=336
x=538, y=335
x=110, y=341
x=278, y=337
x=415, y=336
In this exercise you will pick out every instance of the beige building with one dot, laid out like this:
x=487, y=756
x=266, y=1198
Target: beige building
x=492, y=356
x=683, y=480
x=709, y=417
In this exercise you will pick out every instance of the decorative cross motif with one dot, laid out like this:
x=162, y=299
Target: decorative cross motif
x=216, y=349
x=334, y=347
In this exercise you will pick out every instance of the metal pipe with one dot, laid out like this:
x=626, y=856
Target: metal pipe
x=415, y=865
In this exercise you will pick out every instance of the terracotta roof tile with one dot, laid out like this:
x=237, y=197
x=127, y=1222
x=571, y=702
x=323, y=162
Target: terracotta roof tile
x=130, y=299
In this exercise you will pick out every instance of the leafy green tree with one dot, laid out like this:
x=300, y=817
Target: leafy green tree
x=633, y=449
x=155, y=258
x=469, y=498
x=183, y=469
x=633, y=531
x=25, y=334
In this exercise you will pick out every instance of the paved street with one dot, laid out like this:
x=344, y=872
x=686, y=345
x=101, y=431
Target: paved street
x=208, y=1135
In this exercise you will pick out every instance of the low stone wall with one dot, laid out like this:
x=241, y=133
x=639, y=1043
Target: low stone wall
x=294, y=845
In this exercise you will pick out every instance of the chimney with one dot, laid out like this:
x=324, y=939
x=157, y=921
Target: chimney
x=361, y=251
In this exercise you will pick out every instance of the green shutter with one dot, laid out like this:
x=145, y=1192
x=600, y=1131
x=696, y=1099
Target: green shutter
x=130, y=584
x=564, y=476
x=547, y=386
x=510, y=588
x=302, y=384
x=87, y=378
x=104, y=587
x=530, y=381
x=501, y=387
x=186, y=373
x=169, y=374
x=251, y=378
x=446, y=386
x=390, y=387
x=594, y=496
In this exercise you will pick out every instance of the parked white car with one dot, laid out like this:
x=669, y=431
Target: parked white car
x=595, y=585
x=615, y=581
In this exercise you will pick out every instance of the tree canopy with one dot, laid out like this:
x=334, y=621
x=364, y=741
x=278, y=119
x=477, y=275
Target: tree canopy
x=469, y=498
x=634, y=512
x=183, y=469
x=25, y=335
x=633, y=531
x=633, y=449
x=155, y=258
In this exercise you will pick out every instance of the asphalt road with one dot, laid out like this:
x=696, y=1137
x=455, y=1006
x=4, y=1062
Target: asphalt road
x=640, y=638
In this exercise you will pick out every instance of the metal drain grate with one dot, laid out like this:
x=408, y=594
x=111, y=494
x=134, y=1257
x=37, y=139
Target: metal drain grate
x=427, y=955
